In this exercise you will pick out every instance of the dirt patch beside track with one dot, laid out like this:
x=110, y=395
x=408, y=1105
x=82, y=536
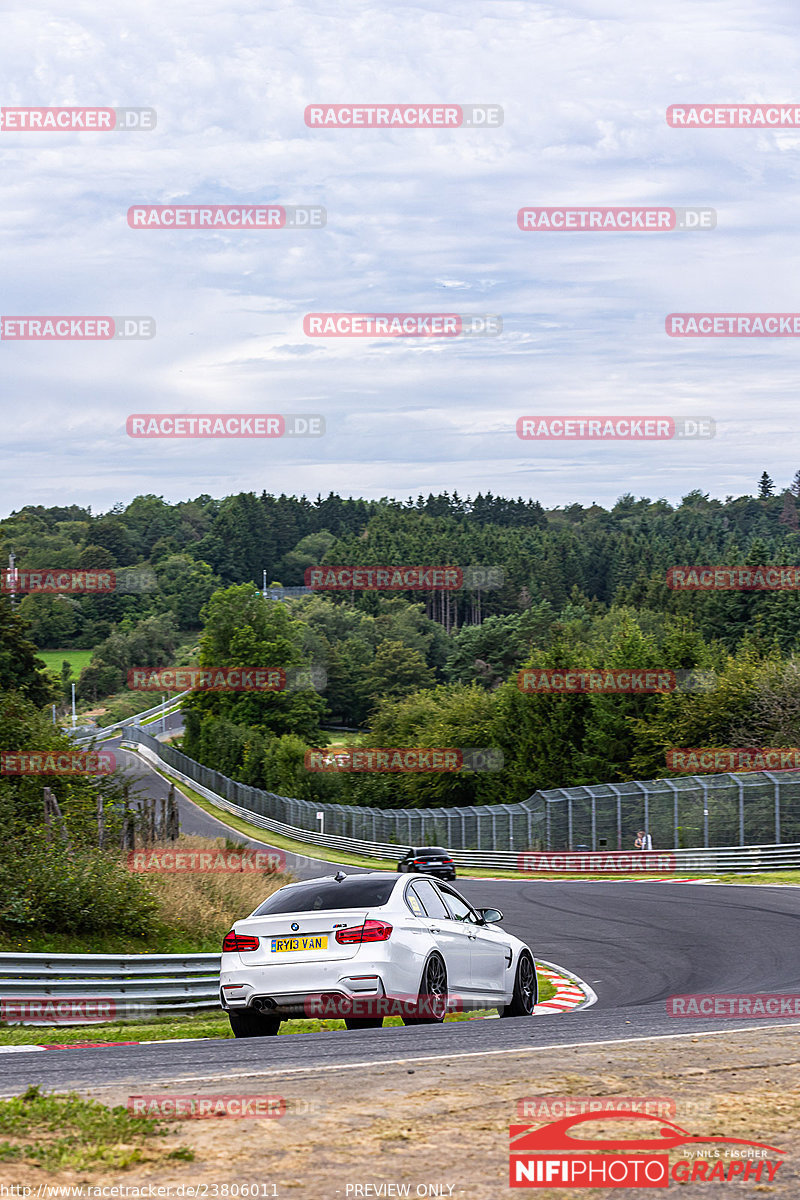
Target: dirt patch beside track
x=443, y=1125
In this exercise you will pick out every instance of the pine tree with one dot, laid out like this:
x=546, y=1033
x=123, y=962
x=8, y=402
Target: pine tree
x=765, y=487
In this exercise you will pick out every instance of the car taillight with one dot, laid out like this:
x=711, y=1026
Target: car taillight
x=370, y=931
x=234, y=941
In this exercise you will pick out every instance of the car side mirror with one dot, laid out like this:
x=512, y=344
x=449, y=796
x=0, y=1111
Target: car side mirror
x=491, y=916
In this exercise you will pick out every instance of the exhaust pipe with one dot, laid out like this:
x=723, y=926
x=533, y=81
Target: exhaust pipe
x=264, y=1004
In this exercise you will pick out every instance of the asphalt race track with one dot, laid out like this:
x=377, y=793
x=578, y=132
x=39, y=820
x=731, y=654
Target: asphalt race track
x=634, y=943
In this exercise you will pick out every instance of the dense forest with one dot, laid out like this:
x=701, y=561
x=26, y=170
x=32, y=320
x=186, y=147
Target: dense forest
x=578, y=587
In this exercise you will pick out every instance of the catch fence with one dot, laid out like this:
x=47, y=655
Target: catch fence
x=757, y=808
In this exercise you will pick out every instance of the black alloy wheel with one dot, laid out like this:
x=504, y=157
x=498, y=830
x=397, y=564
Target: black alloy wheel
x=432, y=1000
x=526, y=989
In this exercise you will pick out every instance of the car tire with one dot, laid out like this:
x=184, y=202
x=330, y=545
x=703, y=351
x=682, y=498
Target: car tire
x=526, y=989
x=433, y=984
x=249, y=1023
x=363, y=1022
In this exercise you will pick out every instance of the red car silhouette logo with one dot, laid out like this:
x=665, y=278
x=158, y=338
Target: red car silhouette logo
x=556, y=1136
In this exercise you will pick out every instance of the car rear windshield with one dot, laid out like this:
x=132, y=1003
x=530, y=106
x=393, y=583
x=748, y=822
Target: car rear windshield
x=430, y=852
x=356, y=892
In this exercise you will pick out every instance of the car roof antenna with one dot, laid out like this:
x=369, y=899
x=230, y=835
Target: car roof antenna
x=339, y=876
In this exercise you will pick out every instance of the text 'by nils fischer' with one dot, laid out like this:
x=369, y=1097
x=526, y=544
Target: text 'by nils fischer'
x=402, y=325
x=76, y=329
x=615, y=218
x=403, y=116
x=224, y=425
x=609, y=429
x=71, y=119
x=227, y=216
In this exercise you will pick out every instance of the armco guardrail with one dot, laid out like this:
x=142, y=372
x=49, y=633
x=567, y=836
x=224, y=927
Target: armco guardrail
x=756, y=808
x=138, y=985
x=165, y=707
x=724, y=859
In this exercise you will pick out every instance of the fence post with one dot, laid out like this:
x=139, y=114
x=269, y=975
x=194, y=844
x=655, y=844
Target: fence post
x=672, y=787
x=594, y=819
x=777, y=786
x=704, y=786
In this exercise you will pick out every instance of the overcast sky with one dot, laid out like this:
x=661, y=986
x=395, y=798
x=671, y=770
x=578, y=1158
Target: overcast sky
x=417, y=221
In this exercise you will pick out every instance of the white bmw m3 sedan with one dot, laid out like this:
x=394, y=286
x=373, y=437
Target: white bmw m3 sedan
x=364, y=947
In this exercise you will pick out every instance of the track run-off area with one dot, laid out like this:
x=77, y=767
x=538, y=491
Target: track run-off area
x=634, y=945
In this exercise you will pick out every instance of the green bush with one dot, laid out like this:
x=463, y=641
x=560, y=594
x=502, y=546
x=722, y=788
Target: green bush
x=47, y=889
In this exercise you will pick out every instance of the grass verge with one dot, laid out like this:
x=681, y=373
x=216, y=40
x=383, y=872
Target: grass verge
x=58, y=1132
x=212, y=1024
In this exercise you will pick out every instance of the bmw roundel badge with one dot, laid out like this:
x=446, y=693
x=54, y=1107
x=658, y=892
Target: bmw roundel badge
x=295, y=926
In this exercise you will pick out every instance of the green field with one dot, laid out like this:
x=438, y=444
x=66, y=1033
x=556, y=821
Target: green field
x=77, y=659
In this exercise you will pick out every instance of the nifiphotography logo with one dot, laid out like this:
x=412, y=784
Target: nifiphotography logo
x=561, y=1154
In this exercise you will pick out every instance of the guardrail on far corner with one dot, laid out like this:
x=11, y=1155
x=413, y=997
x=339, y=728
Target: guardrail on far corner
x=46, y=989
x=157, y=709
x=719, y=860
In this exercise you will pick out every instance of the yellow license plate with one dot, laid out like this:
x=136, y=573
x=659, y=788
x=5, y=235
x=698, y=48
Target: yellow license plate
x=288, y=945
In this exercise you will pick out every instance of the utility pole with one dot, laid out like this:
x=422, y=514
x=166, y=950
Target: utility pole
x=73, y=706
x=264, y=583
x=12, y=578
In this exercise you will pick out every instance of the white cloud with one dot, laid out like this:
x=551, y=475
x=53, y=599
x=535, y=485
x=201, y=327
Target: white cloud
x=418, y=221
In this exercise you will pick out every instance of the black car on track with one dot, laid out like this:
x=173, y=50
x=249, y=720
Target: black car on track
x=428, y=860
